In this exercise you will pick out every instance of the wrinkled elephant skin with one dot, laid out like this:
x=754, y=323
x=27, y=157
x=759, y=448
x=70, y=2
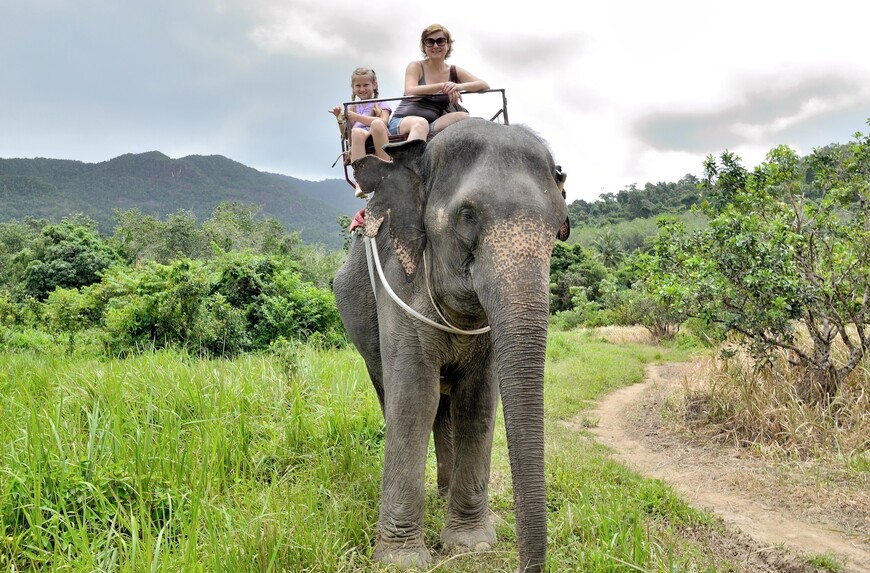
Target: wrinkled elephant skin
x=471, y=218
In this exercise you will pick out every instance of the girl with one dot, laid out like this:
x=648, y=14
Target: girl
x=367, y=118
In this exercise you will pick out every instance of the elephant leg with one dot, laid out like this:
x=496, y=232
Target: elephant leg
x=411, y=400
x=358, y=309
x=468, y=526
x=443, y=432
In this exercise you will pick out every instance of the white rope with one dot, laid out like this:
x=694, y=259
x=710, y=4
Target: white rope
x=372, y=253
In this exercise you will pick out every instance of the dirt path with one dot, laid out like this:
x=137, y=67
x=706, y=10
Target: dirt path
x=732, y=483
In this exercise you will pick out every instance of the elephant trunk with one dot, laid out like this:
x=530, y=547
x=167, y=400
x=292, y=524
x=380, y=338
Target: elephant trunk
x=519, y=351
x=516, y=299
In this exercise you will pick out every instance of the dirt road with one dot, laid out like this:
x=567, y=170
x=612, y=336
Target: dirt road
x=725, y=480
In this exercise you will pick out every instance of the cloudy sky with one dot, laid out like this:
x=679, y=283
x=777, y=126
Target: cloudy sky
x=625, y=91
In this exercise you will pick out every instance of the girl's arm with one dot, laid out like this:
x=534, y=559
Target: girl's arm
x=368, y=119
x=385, y=116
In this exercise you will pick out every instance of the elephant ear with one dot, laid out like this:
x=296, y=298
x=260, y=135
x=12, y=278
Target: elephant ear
x=397, y=200
x=560, y=177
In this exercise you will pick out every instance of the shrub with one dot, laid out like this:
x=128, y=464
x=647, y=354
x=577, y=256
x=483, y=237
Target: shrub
x=234, y=303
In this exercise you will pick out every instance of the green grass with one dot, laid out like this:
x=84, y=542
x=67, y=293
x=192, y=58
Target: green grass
x=826, y=562
x=167, y=462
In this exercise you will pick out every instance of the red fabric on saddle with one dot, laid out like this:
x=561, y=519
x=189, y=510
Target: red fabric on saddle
x=358, y=220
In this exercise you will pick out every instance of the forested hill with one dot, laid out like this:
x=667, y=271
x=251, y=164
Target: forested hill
x=631, y=203
x=159, y=186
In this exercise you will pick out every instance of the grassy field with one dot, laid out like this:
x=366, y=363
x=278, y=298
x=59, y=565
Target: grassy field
x=167, y=462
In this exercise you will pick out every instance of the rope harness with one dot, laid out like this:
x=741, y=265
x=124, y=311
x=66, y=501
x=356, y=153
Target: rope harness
x=372, y=254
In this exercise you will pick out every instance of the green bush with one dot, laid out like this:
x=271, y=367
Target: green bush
x=234, y=303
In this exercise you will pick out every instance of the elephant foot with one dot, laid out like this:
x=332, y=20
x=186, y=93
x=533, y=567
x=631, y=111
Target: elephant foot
x=402, y=557
x=468, y=539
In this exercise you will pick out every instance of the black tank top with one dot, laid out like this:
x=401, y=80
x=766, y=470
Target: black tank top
x=430, y=107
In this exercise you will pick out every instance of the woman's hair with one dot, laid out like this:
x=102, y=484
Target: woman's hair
x=366, y=72
x=431, y=30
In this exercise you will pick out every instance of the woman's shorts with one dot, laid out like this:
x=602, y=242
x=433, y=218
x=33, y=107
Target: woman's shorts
x=397, y=119
x=393, y=127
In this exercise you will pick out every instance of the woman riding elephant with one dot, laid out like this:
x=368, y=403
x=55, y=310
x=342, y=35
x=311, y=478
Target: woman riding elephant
x=460, y=232
x=418, y=117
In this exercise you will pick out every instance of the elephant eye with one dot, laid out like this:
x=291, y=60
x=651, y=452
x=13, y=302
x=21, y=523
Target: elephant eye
x=466, y=226
x=466, y=214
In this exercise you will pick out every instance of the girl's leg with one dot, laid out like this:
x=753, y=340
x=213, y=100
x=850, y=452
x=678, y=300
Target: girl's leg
x=358, y=138
x=380, y=137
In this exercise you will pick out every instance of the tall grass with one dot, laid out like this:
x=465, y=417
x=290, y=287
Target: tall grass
x=756, y=406
x=168, y=462
x=164, y=462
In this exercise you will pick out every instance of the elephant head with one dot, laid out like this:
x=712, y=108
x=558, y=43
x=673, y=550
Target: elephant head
x=468, y=222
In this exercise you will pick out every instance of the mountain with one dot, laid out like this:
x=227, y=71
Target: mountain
x=159, y=185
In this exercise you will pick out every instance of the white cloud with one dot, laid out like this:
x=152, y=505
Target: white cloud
x=628, y=92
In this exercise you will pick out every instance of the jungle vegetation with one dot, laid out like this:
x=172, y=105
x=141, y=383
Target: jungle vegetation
x=774, y=258
x=177, y=392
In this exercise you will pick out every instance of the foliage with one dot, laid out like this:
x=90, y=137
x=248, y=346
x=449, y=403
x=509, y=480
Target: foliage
x=17, y=240
x=572, y=266
x=234, y=303
x=231, y=227
x=632, y=203
x=66, y=311
x=637, y=235
x=70, y=254
x=773, y=257
x=609, y=248
x=638, y=305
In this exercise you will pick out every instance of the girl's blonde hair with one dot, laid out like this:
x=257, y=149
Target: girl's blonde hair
x=369, y=73
x=363, y=72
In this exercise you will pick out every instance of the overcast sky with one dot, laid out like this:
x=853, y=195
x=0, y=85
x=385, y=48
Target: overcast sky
x=625, y=91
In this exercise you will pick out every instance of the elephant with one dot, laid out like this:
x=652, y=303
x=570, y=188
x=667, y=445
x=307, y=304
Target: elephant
x=461, y=228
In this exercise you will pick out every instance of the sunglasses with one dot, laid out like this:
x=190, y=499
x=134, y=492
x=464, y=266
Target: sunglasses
x=442, y=41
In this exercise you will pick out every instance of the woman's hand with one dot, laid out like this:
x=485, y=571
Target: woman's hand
x=452, y=90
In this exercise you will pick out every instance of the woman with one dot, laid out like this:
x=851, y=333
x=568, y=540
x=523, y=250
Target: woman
x=418, y=117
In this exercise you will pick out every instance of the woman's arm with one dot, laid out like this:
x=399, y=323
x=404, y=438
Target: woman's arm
x=413, y=73
x=468, y=82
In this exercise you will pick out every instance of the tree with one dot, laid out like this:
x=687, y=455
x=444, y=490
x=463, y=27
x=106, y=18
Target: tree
x=772, y=258
x=573, y=266
x=69, y=254
x=609, y=248
x=18, y=241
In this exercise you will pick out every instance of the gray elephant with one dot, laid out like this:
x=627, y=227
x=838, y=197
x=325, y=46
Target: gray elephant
x=461, y=229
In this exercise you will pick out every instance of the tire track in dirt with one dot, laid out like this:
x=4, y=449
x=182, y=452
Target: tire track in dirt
x=708, y=478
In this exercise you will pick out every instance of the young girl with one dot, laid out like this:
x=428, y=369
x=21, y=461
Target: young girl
x=367, y=118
